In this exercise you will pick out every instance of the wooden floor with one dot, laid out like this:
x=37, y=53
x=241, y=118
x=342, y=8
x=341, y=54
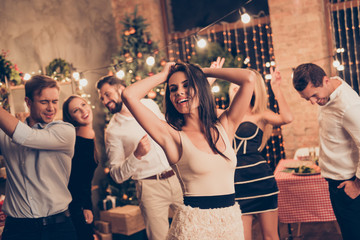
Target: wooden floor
x=308, y=231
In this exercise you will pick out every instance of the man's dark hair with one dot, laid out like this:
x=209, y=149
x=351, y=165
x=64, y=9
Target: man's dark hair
x=37, y=83
x=111, y=80
x=305, y=73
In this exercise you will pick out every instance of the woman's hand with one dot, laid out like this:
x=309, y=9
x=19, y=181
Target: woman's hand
x=167, y=68
x=216, y=64
x=275, y=77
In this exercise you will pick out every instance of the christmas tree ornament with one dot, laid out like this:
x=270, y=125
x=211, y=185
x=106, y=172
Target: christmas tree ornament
x=151, y=94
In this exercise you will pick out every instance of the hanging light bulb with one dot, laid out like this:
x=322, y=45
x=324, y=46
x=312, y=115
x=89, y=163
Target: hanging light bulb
x=27, y=76
x=201, y=43
x=245, y=18
x=83, y=82
x=340, y=68
x=336, y=63
x=247, y=60
x=268, y=76
x=120, y=74
x=150, y=61
x=215, y=89
x=76, y=75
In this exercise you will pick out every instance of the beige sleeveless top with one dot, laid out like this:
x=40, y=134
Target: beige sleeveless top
x=205, y=174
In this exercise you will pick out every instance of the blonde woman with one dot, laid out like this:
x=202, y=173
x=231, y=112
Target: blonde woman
x=255, y=185
x=197, y=144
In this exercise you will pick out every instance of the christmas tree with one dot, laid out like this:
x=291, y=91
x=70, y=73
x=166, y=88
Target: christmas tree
x=138, y=58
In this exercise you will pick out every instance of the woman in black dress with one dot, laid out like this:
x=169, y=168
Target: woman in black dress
x=77, y=111
x=255, y=186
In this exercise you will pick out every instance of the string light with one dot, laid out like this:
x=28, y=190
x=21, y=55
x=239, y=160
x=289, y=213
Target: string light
x=348, y=47
x=200, y=42
x=120, y=74
x=215, y=88
x=150, y=61
x=245, y=17
x=336, y=63
x=27, y=77
x=83, y=82
x=355, y=42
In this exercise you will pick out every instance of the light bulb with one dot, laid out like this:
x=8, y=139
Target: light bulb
x=201, y=43
x=150, y=61
x=76, y=75
x=215, y=89
x=336, y=63
x=340, y=68
x=83, y=82
x=245, y=18
x=120, y=74
x=27, y=76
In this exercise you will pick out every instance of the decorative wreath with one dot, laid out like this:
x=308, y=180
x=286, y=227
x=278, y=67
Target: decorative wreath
x=59, y=69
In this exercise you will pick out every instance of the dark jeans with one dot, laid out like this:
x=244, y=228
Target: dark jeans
x=347, y=211
x=39, y=229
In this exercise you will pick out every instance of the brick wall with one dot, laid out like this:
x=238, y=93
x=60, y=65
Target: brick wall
x=299, y=36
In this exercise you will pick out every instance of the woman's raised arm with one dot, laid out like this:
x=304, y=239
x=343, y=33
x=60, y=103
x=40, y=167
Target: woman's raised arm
x=158, y=129
x=232, y=117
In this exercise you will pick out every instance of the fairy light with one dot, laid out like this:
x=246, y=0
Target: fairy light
x=225, y=37
x=247, y=59
x=339, y=32
x=120, y=74
x=201, y=43
x=341, y=68
x=228, y=36
x=348, y=47
x=208, y=35
x=76, y=75
x=150, y=61
x=245, y=18
x=83, y=82
x=214, y=34
x=27, y=77
x=255, y=42
x=237, y=42
x=336, y=63
x=215, y=89
x=262, y=50
x=355, y=42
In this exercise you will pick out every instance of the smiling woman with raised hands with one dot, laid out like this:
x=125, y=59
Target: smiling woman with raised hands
x=197, y=144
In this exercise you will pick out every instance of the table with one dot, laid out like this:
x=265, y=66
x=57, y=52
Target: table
x=302, y=198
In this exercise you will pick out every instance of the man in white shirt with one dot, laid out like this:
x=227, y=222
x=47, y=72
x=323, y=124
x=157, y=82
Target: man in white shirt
x=339, y=126
x=132, y=153
x=37, y=155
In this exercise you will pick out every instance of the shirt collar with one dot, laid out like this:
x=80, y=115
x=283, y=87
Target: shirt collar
x=336, y=92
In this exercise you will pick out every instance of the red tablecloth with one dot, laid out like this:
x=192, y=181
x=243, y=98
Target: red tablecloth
x=302, y=198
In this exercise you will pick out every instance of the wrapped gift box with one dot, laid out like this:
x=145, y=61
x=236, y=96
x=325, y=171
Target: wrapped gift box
x=125, y=220
x=102, y=226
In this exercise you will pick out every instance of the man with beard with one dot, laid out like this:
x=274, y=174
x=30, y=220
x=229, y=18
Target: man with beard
x=132, y=153
x=339, y=128
x=38, y=155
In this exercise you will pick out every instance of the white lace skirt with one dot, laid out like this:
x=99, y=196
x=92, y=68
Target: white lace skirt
x=207, y=224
